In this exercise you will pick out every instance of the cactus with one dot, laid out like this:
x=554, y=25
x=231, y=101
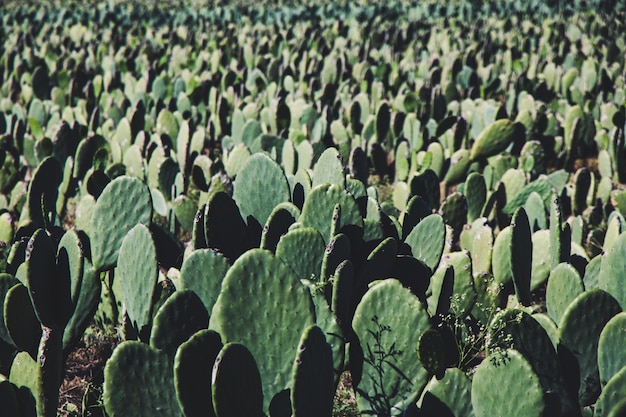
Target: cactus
x=23, y=327
x=278, y=223
x=236, y=376
x=431, y=352
x=7, y=281
x=224, y=230
x=541, y=259
x=449, y=395
x=495, y=138
x=428, y=251
x=521, y=256
x=426, y=185
x=281, y=302
x=337, y=251
x=416, y=210
x=505, y=384
x=312, y=381
x=463, y=293
x=564, y=285
x=559, y=239
x=388, y=322
x=146, y=391
x=329, y=169
x=202, y=272
x=260, y=172
x=40, y=207
x=454, y=213
x=612, y=395
x=459, y=163
x=610, y=344
x=536, y=211
x=501, y=256
x=612, y=271
x=180, y=317
x=111, y=219
x=318, y=210
x=303, y=250
x=8, y=398
x=579, y=331
x=193, y=365
x=476, y=194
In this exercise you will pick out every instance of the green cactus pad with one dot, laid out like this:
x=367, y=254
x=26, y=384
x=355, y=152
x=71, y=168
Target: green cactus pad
x=416, y=210
x=202, y=272
x=43, y=191
x=426, y=185
x=193, y=365
x=488, y=297
x=459, y=163
x=138, y=381
x=450, y=394
x=592, y=273
x=7, y=281
x=260, y=172
x=482, y=249
x=505, y=384
x=283, y=216
x=24, y=375
x=612, y=394
x=224, y=229
x=428, y=250
x=312, y=386
x=541, y=259
x=476, y=195
x=261, y=292
x=303, y=251
x=495, y=138
x=559, y=244
x=236, y=383
x=318, y=210
x=536, y=210
x=541, y=186
x=579, y=332
x=329, y=169
x=337, y=251
x=388, y=322
x=124, y=203
x=85, y=308
x=137, y=275
x=549, y=326
x=50, y=371
x=611, y=347
x=71, y=262
x=23, y=327
x=613, y=271
x=454, y=212
x=564, y=285
x=463, y=292
x=182, y=315
x=343, y=284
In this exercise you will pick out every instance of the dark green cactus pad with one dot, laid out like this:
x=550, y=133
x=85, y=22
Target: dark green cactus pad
x=612, y=395
x=42, y=281
x=193, y=365
x=613, y=271
x=388, y=322
x=138, y=381
x=416, y=210
x=319, y=206
x=579, y=332
x=43, y=192
x=261, y=185
x=426, y=185
x=8, y=398
x=22, y=325
x=541, y=186
x=619, y=409
x=495, y=138
x=327, y=321
x=611, y=347
x=454, y=212
x=236, y=383
x=312, y=386
x=476, y=194
x=450, y=394
x=459, y=163
x=85, y=308
x=549, y=326
x=342, y=289
x=337, y=251
x=301, y=186
x=283, y=216
x=180, y=317
x=592, y=273
x=202, y=272
x=521, y=256
x=50, y=371
x=303, y=251
x=24, y=375
x=137, y=276
x=431, y=352
x=564, y=285
x=185, y=211
x=71, y=262
x=428, y=250
x=378, y=264
x=488, y=297
x=224, y=229
x=124, y=203
x=261, y=292
x=463, y=292
x=329, y=169
x=505, y=384
x=541, y=259
x=7, y=281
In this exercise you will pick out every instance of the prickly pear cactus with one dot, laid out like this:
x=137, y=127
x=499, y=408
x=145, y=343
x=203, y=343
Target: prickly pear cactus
x=388, y=322
x=495, y=138
x=428, y=250
x=451, y=393
x=610, y=348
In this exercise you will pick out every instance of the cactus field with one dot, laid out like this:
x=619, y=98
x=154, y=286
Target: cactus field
x=316, y=209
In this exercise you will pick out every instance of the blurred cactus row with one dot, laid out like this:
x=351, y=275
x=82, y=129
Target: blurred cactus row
x=428, y=196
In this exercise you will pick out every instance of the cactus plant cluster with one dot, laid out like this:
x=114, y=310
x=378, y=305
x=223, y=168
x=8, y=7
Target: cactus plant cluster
x=260, y=199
